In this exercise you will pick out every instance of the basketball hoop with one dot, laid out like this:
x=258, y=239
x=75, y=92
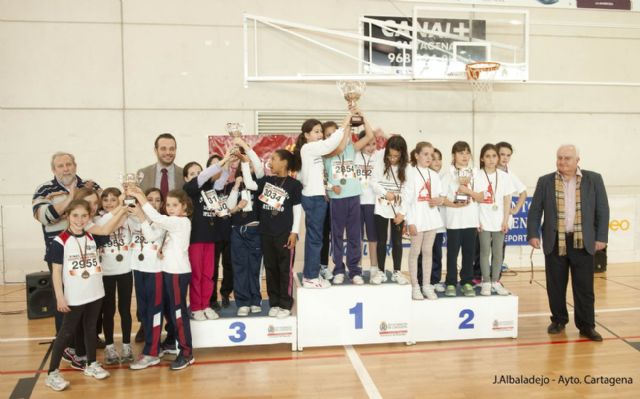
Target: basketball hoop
x=481, y=76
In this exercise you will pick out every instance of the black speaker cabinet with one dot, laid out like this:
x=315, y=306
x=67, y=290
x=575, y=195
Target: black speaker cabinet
x=41, y=299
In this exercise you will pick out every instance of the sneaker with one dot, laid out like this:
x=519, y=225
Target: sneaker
x=499, y=288
x=399, y=278
x=273, y=312
x=338, y=279
x=56, y=381
x=211, y=314
x=111, y=355
x=100, y=344
x=140, y=335
x=167, y=349
x=225, y=302
x=243, y=311
x=378, y=277
x=68, y=354
x=450, y=290
x=143, y=362
x=416, y=294
x=357, y=280
x=182, y=362
x=429, y=292
x=198, y=315
x=127, y=353
x=439, y=287
x=256, y=309
x=476, y=282
x=315, y=283
x=283, y=313
x=96, y=371
x=325, y=272
x=215, y=306
x=486, y=289
x=79, y=362
x=468, y=290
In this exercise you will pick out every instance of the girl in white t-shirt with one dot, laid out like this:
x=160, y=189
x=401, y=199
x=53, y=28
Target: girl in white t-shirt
x=424, y=194
x=77, y=282
x=493, y=193
x=389, y=185
x=461, y=219
x=364, y=162
x=174, y=260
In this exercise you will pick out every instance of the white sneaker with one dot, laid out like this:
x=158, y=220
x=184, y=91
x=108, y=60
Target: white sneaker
x=56, y=381
x=499, y=288
x=338, y=279
x=315, y=283
x=439, y=287
x=325, y=273
x=486, y=289
x=378, y=277
x=198, y=315
x=357, y=280
x=111, y=355
x=143, y=362
x=398, y=277
x=429, y=292
x=243, y=311
x=273, y=312
x=416, y=294
x=211, y=314
x=256, y=309
x=283, y=314
x=96, y=371
x=127, y=353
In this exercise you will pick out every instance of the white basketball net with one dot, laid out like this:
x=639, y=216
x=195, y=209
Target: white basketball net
x=481, y=76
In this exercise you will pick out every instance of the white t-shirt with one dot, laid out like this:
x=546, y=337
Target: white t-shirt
x=495, y=189
x=388, y=182
x=114, y=255
x=423, y=184
x=364, y=173
x=464, y=217
x=175, y=243
x=312, y=171
x=81, y=275
x=146, y=242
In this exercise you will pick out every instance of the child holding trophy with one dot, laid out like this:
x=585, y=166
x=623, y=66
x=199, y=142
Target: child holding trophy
x=461, y=219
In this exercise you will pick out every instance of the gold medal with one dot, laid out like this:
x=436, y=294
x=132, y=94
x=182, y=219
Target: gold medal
x=85, y=274
x=141, y=257
x=119, y=257
x=343, y=182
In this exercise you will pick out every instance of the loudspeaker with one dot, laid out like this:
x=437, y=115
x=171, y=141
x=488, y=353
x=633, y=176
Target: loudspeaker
x=41, y=298
x=600, y=260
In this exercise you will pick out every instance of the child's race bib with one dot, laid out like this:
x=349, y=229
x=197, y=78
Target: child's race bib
x=342, y=170
x=211, y=200
x=273, y=196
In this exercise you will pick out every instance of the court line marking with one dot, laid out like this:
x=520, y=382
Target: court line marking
x=338, y=356
x=363, y=374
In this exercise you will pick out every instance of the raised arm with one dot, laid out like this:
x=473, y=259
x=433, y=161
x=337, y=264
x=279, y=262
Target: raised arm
x=368, y=136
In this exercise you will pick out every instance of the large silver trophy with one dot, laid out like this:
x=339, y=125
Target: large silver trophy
x=128, y=180
x=352, y=91
x=464, y=178
x=235, y=129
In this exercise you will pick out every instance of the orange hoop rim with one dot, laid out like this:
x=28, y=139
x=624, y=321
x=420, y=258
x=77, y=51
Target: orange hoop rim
x=473, y=69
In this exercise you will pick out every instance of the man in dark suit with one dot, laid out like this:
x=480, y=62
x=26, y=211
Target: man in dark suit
x=576, y=224
x=163, y=174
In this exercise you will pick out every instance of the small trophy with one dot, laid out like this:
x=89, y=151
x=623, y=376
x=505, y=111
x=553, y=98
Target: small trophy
x=352, y=91
x=464, y=178
x=130, y=179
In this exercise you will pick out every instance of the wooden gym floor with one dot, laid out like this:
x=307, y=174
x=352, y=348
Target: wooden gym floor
x=455, y=369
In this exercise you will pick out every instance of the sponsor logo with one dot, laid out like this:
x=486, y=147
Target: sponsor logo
x=502, y=325
x=279, y=331
x=619, y=225
x=392, y=329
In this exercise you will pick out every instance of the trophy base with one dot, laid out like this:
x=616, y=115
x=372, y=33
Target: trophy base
x=356, y=121
x=130, y=201
x=461, y=199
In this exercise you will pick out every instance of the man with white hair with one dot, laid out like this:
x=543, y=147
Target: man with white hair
x=52, y=198
x=576, y=225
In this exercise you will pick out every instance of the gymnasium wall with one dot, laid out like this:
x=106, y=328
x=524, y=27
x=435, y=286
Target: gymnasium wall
x=101, y=78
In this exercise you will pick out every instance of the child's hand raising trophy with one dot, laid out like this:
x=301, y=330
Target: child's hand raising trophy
x=129, y=180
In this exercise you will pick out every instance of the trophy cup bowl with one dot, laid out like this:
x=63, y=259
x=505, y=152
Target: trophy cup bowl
x=128, y=180
x=235, y=129
x=352, y=90
x=464, y=178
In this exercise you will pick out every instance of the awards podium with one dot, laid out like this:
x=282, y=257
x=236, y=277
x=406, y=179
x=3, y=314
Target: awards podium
x=349, y=314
